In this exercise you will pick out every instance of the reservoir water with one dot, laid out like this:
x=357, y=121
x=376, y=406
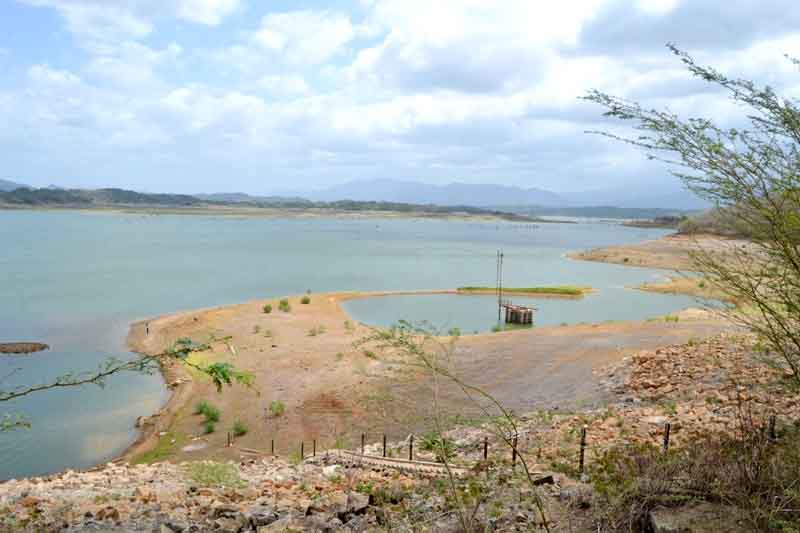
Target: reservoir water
x=76, y=280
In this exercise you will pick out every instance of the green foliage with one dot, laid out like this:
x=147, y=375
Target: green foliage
x=563, y=290
x=672, y=318
x=239, y=428
x=443, y=448
x=277, y=408
x=226, y=374
x=370, y=354
x=284, y=306
x=209, y=427
x=267, y=309
x=201, y=407
x=211, y=413
x=213, y=474
x=305, y=300
x=348, y=326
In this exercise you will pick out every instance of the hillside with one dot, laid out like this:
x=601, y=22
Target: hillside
x=6, y=185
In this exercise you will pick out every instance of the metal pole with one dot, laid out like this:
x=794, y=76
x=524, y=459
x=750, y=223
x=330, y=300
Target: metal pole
x=411, y=449
x=667, y=428
x=384, y=445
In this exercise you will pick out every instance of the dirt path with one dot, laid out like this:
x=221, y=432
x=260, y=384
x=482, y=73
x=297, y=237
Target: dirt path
x=306, y=360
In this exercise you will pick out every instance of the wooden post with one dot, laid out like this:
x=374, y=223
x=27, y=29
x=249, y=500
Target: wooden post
x=272, y=447
x=302, y=450
x=384, y=444
x=667, y=428
x=514, y=453
x=485, y=448
x=772, y=434
x=229, y=439
x=411, y=448
x=314, y=448
x=583, y=448
x=363, y=439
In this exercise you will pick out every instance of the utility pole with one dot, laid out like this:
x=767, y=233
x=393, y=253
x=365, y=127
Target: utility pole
x=499, y=283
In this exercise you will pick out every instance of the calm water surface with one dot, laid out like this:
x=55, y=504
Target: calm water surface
x=77, y=280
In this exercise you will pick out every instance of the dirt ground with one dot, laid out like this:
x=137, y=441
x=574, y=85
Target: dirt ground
x=670, y=252
x=332, y=390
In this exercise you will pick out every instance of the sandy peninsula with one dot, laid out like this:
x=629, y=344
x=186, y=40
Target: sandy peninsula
x=333, y=390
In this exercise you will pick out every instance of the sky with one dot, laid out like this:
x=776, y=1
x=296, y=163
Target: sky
x=266, y=96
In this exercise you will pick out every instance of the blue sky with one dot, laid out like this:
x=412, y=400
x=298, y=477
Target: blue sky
x=277, y=95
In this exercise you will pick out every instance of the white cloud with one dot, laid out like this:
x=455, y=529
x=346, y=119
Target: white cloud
x=44, y=75
x=304, y=37
x=287, y=85
x=208, y=12
x=132, y=63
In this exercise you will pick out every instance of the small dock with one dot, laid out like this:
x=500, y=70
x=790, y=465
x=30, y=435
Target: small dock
x=518, y=314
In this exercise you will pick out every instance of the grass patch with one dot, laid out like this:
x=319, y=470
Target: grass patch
x=561, y=290
x=305, y=300
x=213, y=474
x=671, y=318
x=166, y=446
x=267, y=309
x=209, y=427
x=239, y=429
x=201, y=407
x=284, y=306
x=316, y=330
x=210, y=412
x=277, y=408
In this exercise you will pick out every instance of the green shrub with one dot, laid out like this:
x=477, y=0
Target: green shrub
x=211, y=413
x=316, y=330
x=268, y=309
x=201, y=407
x=443, y=448
x=277, y=408
x=210, y=427
x=239, y=428
x=305, y=300
x=284, y=306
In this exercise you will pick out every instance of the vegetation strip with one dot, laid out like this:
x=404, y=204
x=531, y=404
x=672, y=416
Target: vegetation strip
x=562, y=290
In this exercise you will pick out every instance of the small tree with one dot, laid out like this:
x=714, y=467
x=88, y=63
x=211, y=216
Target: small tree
x=752, y=176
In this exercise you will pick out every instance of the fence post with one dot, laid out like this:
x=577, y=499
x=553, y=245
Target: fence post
x=302, y=450
x=667, y=428
x=485, y=448
x=583, y=447
x=514, y=452
x=384, y=444
x=314, y=448
x=272, y=447
x=411, y=448
x=772, y=434
x=363, y=439
x=229, y=439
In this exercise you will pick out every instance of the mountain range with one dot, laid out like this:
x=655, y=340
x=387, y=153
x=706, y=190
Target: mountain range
x=6, y=185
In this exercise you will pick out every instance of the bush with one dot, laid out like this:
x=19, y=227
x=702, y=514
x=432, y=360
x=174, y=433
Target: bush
x=239, y=428
x=284, y=306
x=305, y=300
x=277, y=408
x=211, y=413
x=753, y=474
x=443, y=448
x=201, y=407
x=268, y=309
x=210, y=427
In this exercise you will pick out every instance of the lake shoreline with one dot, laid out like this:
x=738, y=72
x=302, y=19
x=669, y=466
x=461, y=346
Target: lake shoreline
x=325, y=312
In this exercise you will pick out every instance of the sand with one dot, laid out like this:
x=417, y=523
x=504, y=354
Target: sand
x=333, y=390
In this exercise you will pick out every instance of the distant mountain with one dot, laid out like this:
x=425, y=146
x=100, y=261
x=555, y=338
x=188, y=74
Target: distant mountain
x=6, y=185
x=478, y=195
x=243, y=198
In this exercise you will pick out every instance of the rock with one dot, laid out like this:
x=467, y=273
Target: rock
x=325, y=522
x=330, y=471
x=108, y=513
x=261, y=515
x=655, y=420
x=173, y=526
x=222, y=510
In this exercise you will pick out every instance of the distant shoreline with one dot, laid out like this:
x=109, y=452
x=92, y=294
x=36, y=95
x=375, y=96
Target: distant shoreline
x=287, y=212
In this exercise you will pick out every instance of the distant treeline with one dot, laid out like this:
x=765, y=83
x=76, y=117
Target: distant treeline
x=642, y=213
x=82, y=198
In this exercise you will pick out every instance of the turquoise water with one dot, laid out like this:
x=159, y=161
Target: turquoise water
x=77, y=280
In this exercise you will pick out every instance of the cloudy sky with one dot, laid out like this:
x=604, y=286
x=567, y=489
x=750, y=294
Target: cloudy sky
x=275, y=95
